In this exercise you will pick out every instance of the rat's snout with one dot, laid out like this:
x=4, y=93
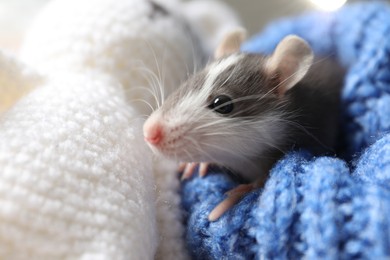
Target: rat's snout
x=153, y=131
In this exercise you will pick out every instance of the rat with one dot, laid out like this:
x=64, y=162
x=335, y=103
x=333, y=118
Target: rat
x=244, y=111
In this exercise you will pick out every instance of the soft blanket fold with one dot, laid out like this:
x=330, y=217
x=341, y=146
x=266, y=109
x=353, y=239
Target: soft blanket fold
x=333, y=208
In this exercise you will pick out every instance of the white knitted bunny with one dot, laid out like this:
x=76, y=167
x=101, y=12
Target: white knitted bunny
x=76, y=178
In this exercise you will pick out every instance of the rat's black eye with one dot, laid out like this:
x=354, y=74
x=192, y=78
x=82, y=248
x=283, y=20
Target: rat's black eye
x=218, y=104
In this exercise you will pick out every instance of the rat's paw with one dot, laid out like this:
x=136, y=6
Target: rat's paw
x=234, y=196
x=188, y=169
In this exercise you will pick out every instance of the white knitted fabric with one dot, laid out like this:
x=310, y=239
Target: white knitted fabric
x=77, y=180
x=69, y=187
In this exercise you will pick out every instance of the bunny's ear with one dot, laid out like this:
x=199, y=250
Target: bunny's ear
x=231, y=43
x=16, y=80
x=290, y=62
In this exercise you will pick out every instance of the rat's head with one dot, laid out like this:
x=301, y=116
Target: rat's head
x=233, y=108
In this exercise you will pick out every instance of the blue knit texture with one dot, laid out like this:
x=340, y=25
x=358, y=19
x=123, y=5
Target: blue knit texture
x=316, y=208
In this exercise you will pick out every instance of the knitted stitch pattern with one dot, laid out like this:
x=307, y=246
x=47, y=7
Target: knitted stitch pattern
x=315, y=207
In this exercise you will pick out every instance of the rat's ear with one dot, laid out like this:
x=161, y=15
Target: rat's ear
x=231, y=43
x=290, y=62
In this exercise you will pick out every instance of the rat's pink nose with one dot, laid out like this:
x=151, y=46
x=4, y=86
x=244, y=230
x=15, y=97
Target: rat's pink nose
x=153, y=133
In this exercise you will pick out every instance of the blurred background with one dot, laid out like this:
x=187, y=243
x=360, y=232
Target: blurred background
x=16, y=15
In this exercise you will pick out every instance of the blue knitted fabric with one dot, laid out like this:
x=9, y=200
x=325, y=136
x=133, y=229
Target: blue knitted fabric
x=329, y=208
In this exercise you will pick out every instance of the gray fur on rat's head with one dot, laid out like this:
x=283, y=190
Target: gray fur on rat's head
x=232, y=111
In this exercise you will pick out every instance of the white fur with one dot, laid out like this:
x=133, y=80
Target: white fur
x=216, y=69
x=196, y=99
